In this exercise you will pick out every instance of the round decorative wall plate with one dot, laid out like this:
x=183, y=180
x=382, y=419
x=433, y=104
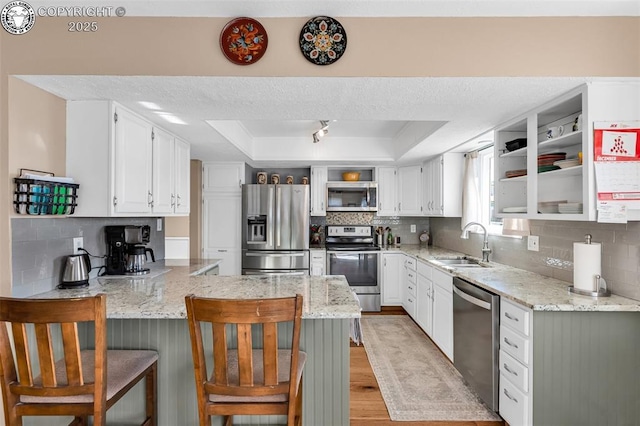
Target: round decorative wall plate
x=323, y=40
x=243, y=41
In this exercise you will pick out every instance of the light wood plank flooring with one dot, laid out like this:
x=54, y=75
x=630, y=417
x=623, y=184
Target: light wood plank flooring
x=367, y=406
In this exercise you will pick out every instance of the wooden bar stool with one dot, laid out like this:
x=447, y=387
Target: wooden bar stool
x=259, y=380
x=83, y=382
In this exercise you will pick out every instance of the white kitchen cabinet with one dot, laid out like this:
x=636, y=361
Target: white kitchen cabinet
x=409, y=291
x=392, y=278
x=516, y=372
x=112, y=155
x=424, y=307
x=535, y=193
x=171, y=171
x=442, y=180
x=222, y=214
x=443, y=311
x=221, y=222
x=410, y=184
x=223, y=176
x=387, y=191
x=318, y=262
x=318, y=182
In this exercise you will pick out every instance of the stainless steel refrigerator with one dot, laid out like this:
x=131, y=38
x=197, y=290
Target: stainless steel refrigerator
x=275, y=229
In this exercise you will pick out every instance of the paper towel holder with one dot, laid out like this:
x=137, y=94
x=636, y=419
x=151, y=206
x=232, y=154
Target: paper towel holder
x=601, y=285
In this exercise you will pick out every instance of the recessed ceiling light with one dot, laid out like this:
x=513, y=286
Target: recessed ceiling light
x=171, y=118
x=150, y=105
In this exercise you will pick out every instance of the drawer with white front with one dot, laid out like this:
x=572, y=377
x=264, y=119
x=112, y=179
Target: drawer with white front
x=514, y=344
x=514, y=316
x=410, y=263
x=411, y=288
x=514, y=405
x=411, y=276
x=517, y=373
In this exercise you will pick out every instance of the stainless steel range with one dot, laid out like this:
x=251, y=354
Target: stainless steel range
x=352, y=252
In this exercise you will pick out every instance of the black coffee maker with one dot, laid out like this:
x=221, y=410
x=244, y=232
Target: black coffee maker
x=121, y=241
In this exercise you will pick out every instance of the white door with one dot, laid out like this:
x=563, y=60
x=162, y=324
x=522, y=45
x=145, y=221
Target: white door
x=133, y=163
x=410, y=190
x=163, y=172
x=318, y=184
x=221, y=214
x=182, y=186
x=392, y=279
x=436, y=187
x=443, y=320
x=387, y=191
x=223, y=177
x=425, y=304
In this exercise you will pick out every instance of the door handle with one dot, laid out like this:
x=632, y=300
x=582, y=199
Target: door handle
x=479, y=303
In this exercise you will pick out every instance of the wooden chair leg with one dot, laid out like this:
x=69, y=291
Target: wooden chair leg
x=299, y=404
x=80, y=421
x=151, y=386
x=228, y=421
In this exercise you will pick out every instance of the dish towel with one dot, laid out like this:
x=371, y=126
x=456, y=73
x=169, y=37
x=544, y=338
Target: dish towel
x=356, y=331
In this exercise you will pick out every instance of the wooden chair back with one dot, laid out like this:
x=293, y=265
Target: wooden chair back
x=242, y=315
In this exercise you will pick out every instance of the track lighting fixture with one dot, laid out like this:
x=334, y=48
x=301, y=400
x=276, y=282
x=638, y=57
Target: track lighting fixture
x=324, y=129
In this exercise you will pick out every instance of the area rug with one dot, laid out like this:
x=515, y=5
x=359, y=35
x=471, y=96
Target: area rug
x=416, y=380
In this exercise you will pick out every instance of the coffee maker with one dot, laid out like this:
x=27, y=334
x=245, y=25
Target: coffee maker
x=124, y=241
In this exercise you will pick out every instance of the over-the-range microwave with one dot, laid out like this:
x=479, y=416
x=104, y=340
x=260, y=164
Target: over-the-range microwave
x=352, y=196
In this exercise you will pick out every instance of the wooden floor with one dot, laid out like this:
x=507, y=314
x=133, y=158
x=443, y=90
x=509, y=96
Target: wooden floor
x=367, y=406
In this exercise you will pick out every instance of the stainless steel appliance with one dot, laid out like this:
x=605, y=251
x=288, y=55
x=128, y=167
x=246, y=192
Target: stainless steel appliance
x=120, y=239
x=476, y=337
x=76, y=271
x=352, y=196
x=353, y=252
x=275, y=232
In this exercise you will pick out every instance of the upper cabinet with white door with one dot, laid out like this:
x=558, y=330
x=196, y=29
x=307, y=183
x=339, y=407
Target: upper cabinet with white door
x=399, y=190
x=112, y=155
x=319, y=177
x=528, y=184
x=171, y=158
x=387, y=191
x=410, y=191
x=443, y=185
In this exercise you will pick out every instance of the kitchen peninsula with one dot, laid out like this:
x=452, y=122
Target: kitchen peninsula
x=149, y=312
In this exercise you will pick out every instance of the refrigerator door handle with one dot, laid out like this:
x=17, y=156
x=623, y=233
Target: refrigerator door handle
x=270, y=218
x=254, y=254
x=278, y=213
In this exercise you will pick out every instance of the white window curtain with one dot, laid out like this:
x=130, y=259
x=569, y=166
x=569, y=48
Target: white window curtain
x=470, y=192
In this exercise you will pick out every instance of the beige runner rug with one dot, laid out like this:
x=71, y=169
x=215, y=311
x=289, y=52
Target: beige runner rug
x=416, y=380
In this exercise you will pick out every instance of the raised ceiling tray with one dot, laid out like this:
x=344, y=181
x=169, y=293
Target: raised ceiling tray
x=243, y=41
x=323, y=40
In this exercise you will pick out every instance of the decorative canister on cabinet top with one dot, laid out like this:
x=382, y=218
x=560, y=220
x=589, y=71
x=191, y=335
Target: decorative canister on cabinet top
x=289, y=180
x=275, y=178
x=305, y=180
x=262, y=178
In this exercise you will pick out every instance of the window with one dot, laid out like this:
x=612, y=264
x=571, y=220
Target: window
x=486, y=187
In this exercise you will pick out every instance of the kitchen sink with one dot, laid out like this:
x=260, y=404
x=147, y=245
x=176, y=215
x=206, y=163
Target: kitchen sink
x=460, y=262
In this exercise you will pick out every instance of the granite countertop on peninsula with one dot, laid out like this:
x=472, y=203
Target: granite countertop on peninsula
x=160, y=295
x=537, y=292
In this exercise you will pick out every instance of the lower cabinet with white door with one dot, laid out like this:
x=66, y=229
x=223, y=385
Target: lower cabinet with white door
x=424, y=294
x=318, y=262
x=221, y=230
x=392, y=278
x=443, y=311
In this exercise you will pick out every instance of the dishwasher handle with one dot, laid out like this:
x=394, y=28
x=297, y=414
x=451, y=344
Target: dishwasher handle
x=480, y=303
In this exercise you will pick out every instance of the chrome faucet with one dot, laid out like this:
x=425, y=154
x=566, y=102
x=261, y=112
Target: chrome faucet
x=485, y=247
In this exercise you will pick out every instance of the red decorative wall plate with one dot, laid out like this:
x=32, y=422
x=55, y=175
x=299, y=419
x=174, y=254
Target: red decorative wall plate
x=243, y=41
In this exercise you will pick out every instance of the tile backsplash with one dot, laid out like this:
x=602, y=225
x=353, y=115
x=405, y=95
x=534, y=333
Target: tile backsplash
x=620, y=249
x=39, y=247
x=400, y=226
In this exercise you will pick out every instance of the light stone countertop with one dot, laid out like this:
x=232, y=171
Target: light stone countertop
x=532, y=290
x=160, y=295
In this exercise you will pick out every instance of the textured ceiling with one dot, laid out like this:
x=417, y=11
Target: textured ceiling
x=448, y=111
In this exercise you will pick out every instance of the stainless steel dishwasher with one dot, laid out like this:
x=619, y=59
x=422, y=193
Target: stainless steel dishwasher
x=476, y=337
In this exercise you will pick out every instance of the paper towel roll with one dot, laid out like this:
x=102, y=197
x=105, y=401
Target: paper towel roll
x=587, y=263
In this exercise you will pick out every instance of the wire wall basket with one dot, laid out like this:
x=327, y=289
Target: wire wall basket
x=44, y=195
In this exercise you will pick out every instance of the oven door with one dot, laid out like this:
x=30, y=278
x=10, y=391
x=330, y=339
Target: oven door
x=359, y=267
